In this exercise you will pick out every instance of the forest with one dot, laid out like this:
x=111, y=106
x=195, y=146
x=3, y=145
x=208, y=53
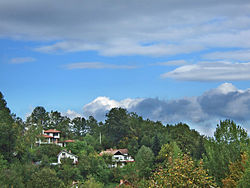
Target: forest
x=165, y=155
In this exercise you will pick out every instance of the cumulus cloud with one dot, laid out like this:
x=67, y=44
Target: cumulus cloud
x=71, y=114
x=96, y=65
x=211, y=71
x=101, y=105
x=225, y=101
x=167, y=27
x=20, y=60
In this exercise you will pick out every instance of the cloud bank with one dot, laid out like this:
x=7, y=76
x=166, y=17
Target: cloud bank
x=155, y=28
x=225, y=101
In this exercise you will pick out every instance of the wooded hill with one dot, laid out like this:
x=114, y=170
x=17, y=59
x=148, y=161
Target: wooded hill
x=165, y=155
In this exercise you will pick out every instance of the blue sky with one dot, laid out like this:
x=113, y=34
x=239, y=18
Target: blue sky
x=168, y=60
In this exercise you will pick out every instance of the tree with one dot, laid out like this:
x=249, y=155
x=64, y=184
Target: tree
x=79, y=126
x=8, y=131
x=168, y=150
x=116, y=125
x=69, y=173
x=228, y=142
x=45, y=178
x=91, y=183
x=62, y=123
x=182, y=172
x=156, y=147
x=189, y=141
x=144, y=161
x=38, y=117
x=236, y=171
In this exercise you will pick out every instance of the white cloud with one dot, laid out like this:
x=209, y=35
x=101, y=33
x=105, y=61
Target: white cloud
x=96, y=65
x=124, y=27
x=71, y=114
x=203, y=112
x=172, y=63
x=20, y=60
x=237, y=55
x=211, y=71
x=101, y=105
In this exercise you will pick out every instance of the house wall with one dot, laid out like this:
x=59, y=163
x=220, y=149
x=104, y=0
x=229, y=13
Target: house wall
x=64, y=155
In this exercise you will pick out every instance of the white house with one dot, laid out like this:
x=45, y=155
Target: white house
x=66, y=154
x=52, y=136
x=119, y=157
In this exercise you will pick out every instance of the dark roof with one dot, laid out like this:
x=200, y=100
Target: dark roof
x=114, y=151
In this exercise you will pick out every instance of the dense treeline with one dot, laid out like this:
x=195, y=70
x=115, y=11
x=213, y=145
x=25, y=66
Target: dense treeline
x=165, y=155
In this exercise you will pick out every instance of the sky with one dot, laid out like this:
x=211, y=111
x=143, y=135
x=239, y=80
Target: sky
x=167, y=60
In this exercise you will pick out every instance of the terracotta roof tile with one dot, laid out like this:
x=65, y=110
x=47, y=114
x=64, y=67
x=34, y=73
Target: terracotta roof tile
x=52, y=131
x=47, y=136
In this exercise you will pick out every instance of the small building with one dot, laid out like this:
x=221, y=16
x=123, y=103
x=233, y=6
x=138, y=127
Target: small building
x=52, y=136
x=65, y=142
x=66, y=155
x=119, y=157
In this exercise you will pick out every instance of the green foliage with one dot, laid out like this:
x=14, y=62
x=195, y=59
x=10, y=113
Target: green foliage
x=130, y=173
x=49, y=150
x=12, y=176
x=168, y=150
x=245, y=178
x=182, y=172
x=156, y=147
x=3, y=163
x=144, y=161
x=91, y=183
x=189, y=141
x=68, y=173
x=146, y=141
x=38, y=118
x=222, y=154
x=227, y=145
x=8, y=131
x=116, y=125
x=236, y=171
x=94, y=165
x=133, y=146
x=79, y=126
x=78, y=147
x=45, y=178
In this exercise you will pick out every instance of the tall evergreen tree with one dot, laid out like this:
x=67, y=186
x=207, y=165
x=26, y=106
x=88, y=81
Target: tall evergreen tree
x=156, y=147
x=8, y=131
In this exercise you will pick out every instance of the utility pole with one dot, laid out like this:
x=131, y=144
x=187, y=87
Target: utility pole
x=100, y=138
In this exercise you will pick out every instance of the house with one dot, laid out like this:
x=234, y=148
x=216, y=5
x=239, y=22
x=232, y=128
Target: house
x=52, y=136
x=119, y=157
x=65, y=142
x=66, y=154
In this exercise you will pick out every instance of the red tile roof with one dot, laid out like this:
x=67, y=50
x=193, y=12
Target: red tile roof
x=47, y=136
x=69, y=141
x=52, y=131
